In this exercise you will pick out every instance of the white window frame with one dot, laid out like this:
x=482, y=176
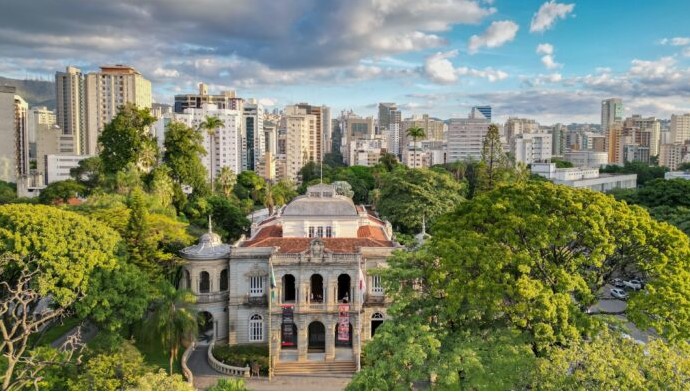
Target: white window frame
x=256, y=328
x=319, y=231
x=376, y=286
x=256, y=286
x=329, y=231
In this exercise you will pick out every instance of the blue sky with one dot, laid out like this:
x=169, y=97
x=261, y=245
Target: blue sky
x=553, y=61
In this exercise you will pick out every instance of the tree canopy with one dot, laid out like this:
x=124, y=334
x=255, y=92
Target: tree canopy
x=127, y=140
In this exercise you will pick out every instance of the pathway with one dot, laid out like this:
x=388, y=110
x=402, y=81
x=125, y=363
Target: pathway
x=204, y=375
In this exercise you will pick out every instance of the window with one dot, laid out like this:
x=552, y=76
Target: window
x=224, y=280
x=256, y=328
x=319, y=231
x=376, y=286
x=256, y=286
x=311, y=231
x=329, y=231
x=204, y=282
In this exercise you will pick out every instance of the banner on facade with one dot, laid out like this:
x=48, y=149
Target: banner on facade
x=287, y=326
x=344, y=322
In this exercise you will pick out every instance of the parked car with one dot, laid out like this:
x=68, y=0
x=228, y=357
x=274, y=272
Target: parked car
x=619, y=293
x=633, y=284
x=638, y=281
x=617, y=282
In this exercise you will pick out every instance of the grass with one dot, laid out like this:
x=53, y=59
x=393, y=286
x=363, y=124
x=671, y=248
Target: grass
x=54, y=331
x=155, y=354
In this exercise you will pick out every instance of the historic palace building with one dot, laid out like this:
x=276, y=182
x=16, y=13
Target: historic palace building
x=302, y=281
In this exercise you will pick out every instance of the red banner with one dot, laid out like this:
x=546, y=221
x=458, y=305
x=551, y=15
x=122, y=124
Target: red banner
x=344, y=322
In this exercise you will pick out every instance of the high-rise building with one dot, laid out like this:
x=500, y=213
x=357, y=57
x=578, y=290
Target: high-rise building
x=680, y=128
x=465, y=138
x=531, y=147
x=517, y=126
x=481, y=112
x=323, y=123
x=649, y=132
x=106, y=92
x=672, y=155
x=14, y=132
x=558, y=139
x=354, y=128
x=434, y=129
x=70, y=99
x=300, y=142
x=388, y=114
x=253, y=137
x=611, y=112
x=224, y=100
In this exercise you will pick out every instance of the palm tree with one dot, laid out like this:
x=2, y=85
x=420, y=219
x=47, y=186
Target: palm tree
x=415, y=133
x=226, y=181
x=211, y=125
x=172, y=320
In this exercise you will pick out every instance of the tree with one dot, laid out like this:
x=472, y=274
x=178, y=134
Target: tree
x=211, y=125
x=114, y=370
x=141, y=247
x=228, y=217
x=389, y=161
x=685, y=166
x=61, y=191
x=172, y=319
x=226, y=181
x=183, y=148
x=229, y=384
x=8, y=192
x=415, y=133
x=493, y=157
x=127, y=139
x=46, y=253
x=561, y=164
x=409, y=196
x=161, y=186
x=89, y=173
x=644, y=171
x=161, y=381
x=249, y=186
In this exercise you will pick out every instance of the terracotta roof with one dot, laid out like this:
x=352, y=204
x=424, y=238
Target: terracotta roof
x=267, y=232
x=372, y=232
x=335, y=245
x=376, y=220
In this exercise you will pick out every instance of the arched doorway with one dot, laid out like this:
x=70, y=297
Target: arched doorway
x=376, y=321
x=205, y=324
x=344, y=288
x=343, y=343
x=317, y=337
x=289, y=288
x=204, y=282
x=316, y=295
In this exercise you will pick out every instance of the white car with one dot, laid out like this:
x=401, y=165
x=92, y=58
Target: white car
x=619, y=293
x=633, y=284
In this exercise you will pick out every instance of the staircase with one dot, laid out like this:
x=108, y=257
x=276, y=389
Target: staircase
x=322, y=368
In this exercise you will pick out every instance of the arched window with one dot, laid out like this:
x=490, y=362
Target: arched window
x=376, y=321
x=187, y=280
x=224, y=280
x=256, y=328
x=204, y=282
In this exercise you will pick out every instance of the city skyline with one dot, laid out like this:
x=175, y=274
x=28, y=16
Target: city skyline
x=544, y=60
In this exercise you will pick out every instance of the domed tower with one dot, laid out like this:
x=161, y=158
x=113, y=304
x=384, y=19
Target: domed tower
x=205, y=274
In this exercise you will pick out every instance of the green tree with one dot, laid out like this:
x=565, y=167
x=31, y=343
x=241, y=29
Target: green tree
x=229, y=384
x=415, y=133
x=61, y=192
x=226, y=181
x=249, y=186
x=389, y=161
x=127, y=139
x=408, y=196
x=8, y=192
x=161, y=381
x=183, y=148
x=115, y=370
x=89, y=173
x=645, y=172
x=228, y=217
x=677, y=216
x=161, y=186
x=685, y=166
x=141, y=246
x=561, y=164
x=44, y=252
x=211, y=125
x=172, y=321
x=494, y=160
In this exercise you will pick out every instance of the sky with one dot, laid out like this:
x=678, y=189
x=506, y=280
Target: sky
x=552, y=61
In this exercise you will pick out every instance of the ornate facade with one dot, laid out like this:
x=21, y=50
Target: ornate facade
x=308, y=263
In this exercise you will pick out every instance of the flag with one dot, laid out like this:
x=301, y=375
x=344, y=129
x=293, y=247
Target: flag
x=362, y=285
x=273, y=284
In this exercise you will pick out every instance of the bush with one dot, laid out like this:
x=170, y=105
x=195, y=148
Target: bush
x=243, y=355
x=229, y=384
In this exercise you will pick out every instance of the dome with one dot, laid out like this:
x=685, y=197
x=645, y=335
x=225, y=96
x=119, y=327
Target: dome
x=321, y=206
x=210, y=247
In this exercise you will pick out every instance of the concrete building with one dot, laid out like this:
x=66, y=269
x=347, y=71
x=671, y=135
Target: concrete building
x=318, y=250
x=465, y=137
x=392, y=137
x=531, y=147
x=672, y=155
x=50, y=140
x=649, y=129
x=70, y=99
x=611, y=113
x=106, y=92
x=589, y=178
x=558, y=139
x=354, y=128
x=481, y=112
x=366, y=152
x=434, y=128
x=388, y=115
x=224, y=100
x=322, y=114
x=300, y=142
x=253, y=136
x=680, y=128
x=14, y=132
x=158, y=110
x=587, y=158
x=683, y=175
x=58, y=166
x=517, y=126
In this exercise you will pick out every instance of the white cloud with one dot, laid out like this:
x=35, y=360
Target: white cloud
x=544, y=49
x=676, y=41
x=165, y=73
x=686, y=52
x=547, y=15
x=268, y=101
x=440, y=70
x=497, y=34
x=547, y=58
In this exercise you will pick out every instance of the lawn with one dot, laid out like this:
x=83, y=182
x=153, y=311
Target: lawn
x=156, y=355
x=54, y=331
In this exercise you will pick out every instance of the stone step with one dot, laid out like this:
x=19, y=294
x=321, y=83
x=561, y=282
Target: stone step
x=294, y=368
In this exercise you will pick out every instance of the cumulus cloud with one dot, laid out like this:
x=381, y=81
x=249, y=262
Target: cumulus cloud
x=676, y=41
x=548, y=14
x=165, y=73
x=440, y=69
x=547, y=59
x=498, y=33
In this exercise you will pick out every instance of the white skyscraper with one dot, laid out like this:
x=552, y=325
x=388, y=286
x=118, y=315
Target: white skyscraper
x=253, y=136
x=465, y=137
x=611, y=112
x=680, y=128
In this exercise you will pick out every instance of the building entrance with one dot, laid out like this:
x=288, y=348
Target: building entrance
x=317, y=337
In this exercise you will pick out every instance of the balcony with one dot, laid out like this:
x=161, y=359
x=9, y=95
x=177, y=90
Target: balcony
x=378, y=299
x=252, y=300
x=212, y=297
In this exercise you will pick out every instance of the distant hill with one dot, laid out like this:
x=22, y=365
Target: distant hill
x=35, y=92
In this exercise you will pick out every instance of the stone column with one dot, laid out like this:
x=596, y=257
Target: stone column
x=356, y=349
x=302, y=341
x=330, y=340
